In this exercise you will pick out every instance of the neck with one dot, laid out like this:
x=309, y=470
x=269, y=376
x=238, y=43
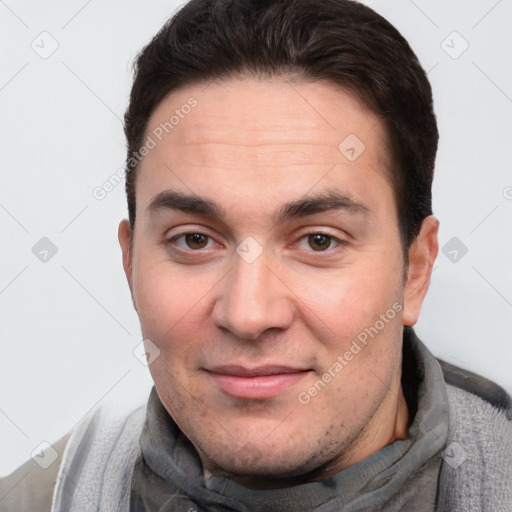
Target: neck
x=389, y=423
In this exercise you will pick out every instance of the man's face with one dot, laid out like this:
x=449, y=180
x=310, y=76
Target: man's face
x=263, y=255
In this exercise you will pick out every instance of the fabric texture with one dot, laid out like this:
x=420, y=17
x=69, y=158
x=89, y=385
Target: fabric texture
x=30, y=487
x=462, y=448
x=477, y=473
x=98, y=461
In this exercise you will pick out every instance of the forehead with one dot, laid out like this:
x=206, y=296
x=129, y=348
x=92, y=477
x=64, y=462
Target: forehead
x=246, y=132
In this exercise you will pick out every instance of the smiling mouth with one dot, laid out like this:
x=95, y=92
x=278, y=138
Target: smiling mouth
x=255, y=383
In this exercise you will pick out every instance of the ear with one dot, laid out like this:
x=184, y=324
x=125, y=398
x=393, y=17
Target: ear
x=422, y=255
x=124, y=235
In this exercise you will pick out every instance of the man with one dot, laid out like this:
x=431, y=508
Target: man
x=278, y=249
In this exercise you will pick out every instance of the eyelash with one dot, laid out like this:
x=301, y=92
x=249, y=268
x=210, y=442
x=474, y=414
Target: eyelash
x=333, y=239
x=183, y=235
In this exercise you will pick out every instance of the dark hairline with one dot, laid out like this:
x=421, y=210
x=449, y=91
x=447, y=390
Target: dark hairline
x=340, y=41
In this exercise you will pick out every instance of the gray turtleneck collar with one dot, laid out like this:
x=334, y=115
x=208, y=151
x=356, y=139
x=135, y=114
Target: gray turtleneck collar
x=168, y=475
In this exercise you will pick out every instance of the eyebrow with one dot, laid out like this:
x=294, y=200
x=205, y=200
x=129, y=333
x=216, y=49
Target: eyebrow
x=189, y=203
x=306, y=206
x=327, y=201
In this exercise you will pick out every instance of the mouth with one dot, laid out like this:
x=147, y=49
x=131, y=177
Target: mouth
x=258, y=383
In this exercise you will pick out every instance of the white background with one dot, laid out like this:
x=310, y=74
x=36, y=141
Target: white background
x=67, y=326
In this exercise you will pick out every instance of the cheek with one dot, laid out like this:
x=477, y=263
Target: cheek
x=345, y=303
x=170, y=303
x=173, y=313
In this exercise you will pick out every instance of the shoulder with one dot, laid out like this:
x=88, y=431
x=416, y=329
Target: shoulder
x=477, y=386
x=98, y=461
x=98, y=450
x=477, y=461
x=30, y=487
x=480, y=414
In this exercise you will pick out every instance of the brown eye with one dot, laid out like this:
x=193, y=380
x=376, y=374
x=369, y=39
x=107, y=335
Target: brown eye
x=196, y=240
x=319, y=241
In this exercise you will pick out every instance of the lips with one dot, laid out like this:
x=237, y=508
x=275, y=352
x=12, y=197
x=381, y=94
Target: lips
x=258, y=383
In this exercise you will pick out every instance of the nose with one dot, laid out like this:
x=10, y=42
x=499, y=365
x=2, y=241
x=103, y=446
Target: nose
x=253, y=300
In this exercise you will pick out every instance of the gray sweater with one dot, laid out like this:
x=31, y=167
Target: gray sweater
x=458, y=457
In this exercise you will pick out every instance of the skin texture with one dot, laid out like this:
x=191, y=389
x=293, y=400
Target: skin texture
x=251, y=145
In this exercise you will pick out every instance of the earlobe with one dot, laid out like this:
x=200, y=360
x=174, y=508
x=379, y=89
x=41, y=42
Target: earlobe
x=124, y=235
x=422, y=255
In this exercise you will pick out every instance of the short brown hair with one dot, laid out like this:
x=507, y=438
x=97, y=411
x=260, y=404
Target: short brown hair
x=341, y=41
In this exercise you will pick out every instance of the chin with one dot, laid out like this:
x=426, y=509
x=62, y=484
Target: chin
x=266, y=465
